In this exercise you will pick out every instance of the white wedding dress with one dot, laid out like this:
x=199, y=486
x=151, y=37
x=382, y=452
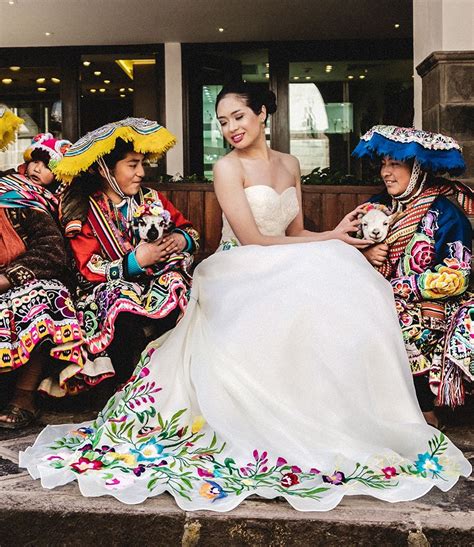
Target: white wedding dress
x=286, y=377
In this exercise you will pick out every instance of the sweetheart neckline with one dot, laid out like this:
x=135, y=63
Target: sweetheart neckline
x=271, y=188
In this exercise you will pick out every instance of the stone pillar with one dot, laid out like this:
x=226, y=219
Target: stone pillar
x=448, y=99
x=174, y=106
x=443, y=47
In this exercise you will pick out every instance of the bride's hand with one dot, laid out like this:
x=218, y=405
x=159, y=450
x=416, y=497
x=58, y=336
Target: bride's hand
x=349, y=225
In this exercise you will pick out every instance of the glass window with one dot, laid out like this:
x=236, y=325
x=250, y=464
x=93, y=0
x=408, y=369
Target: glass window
x=33, y=93
x=115, y=86
x=332, y=103
x=209, y=67
x=214, y=146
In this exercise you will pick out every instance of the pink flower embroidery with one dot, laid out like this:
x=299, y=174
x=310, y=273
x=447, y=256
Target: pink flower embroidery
x=84, y=464
x=389, y=472
x=422, y=256
x=204, y=472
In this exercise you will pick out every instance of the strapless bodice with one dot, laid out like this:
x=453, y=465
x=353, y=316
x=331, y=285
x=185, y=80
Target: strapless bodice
x=273, y=212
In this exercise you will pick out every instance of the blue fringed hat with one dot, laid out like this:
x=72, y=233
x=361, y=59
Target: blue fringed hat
x=434, y=152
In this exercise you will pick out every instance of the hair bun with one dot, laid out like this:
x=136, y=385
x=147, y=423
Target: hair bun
x=270, y=102
x=255, y=95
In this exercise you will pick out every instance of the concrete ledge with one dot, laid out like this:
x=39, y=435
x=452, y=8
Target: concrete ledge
x=63, y=517
x=30, y=515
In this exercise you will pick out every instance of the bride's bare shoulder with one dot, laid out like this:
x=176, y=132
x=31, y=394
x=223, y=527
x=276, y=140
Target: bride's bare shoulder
x=230, y=161
x=289, y=161
x=229, y=169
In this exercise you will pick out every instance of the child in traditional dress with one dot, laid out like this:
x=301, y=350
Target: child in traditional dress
x=129, y=290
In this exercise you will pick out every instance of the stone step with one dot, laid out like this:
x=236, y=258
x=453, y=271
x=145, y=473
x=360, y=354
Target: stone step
x=30, y=515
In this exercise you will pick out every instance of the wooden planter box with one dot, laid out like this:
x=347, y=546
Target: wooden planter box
x=323, y=207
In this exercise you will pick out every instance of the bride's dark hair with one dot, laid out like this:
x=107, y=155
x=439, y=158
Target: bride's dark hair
x=254, y=95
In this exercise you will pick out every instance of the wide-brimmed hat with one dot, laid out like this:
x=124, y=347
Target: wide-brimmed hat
x=148, y=137
x=434, y=152
x=9, y=125
x=47, y=144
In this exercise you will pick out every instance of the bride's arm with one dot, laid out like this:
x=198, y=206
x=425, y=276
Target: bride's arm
x=229, y=189
x=348, y=224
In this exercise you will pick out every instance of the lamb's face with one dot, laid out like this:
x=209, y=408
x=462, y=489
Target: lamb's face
x=151, y=228
x=375, y=225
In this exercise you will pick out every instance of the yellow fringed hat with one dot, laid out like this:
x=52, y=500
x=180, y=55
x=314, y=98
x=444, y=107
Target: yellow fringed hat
x=9, y=125
x=148, y=137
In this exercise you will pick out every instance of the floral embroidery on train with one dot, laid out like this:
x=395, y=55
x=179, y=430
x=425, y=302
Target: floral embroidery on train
x=228, y=244
x=131, y=441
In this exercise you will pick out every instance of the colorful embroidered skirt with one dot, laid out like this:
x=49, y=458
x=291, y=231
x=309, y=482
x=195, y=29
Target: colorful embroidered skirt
x=154, y=297
x=441, y=348
x=37, y=312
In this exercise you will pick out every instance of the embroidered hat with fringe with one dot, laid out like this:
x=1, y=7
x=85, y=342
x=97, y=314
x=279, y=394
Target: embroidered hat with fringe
x=434, y=152
x=9, y=125
x=148, y=137
x=48, y=148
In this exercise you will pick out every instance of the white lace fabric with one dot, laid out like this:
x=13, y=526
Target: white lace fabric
x=273, y=212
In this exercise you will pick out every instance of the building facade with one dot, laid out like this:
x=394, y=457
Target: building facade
x=336, y=71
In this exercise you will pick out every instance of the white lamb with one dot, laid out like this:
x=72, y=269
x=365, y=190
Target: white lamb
x=376, y=221
x=151, y=221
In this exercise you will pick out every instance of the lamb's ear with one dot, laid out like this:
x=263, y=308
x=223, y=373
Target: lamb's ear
x=360, y=215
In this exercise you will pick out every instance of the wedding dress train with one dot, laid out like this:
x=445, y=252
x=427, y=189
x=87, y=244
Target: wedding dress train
x=287, y=376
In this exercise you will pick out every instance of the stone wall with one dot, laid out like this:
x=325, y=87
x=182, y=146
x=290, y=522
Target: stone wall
x=448, y=99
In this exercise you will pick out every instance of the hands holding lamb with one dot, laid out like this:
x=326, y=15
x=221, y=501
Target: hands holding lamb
x=149, y=254
x=376, y=254
x=158, y=242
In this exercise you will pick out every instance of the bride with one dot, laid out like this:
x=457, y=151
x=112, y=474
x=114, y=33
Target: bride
x=286, y=377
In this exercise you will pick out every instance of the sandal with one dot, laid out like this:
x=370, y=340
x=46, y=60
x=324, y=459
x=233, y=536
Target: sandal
x=16, y=417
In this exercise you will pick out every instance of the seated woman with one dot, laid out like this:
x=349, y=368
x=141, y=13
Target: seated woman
x=427, y=257
x=129, y=290
x=287, y=376
x=36, y=310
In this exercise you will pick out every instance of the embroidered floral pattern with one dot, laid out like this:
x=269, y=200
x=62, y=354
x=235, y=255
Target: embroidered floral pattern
x=443, y=282
x=419, y=255
x=229, y=244
x=175, y=453
x=433, y=272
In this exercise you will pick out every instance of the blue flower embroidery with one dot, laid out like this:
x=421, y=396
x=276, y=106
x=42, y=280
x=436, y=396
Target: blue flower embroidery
x=149, y=451
x=426, y=462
